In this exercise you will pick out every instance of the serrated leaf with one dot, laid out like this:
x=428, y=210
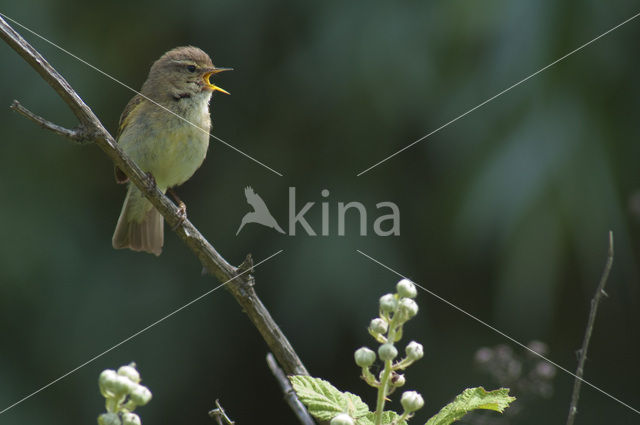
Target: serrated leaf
x=365, y=420
x=324, y=401
x=471, y=399
x=387, y=418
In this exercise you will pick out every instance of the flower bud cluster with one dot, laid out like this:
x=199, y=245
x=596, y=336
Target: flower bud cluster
x=395, y=310
x=123, y=393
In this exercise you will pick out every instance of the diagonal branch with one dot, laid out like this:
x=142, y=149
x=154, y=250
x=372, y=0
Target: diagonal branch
x=573, y=408
x=290, y=395
x=90, y=128
x=84, y=114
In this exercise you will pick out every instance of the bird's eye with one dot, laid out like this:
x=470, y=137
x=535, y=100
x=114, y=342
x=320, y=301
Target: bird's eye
x=191, y=68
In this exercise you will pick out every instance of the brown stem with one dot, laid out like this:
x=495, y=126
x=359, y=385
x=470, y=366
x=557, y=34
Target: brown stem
x=573, y=408
x=290, y=396
x=241, y=287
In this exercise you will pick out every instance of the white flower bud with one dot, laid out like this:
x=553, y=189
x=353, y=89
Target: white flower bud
x=408, y=307
x=141, y=395
x=378, y=326
x=397, y=380
x=342, y=419
x=364, y=357
x=109, y=419
x=406, y=289
x=411, y=401
x=130, y=372
x=124, y=385
x=387, y=352
x=130, y=419
x=414, y=351
x=107, y=381
x=388, y=303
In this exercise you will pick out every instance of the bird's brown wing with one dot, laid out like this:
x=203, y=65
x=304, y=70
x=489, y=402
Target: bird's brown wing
x=125, y=118
x=126, y=114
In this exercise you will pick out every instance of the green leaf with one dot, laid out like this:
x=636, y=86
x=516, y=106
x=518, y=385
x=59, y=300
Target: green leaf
x=365, y=420
x=388, y=417
x=324, y=401
x=471, y=399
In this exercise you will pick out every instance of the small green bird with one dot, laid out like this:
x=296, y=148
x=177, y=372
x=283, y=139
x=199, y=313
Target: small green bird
x=170, y=146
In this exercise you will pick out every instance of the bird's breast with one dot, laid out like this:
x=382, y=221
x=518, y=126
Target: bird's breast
x=171, y=146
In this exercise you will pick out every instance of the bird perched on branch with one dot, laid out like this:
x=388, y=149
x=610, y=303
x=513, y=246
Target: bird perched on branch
x=165, y=131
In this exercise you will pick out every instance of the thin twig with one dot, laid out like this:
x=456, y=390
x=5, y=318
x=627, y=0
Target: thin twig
x=290, y=396
x=241, y=287
x=573, y=408
x=220, y=415
x=78, y=134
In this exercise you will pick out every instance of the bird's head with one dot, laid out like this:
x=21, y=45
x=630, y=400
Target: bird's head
x=182, y=72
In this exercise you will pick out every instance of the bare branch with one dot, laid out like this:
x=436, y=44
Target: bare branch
x=290, y=396
x=241, y=287
x=220, y=415
x=78, y=134
x=84, y=114
x=573, y=408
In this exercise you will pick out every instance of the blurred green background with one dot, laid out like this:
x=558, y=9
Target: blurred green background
x=504, y=213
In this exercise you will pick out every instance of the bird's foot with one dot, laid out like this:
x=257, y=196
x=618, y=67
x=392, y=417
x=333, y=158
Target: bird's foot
x=182, y=208
x=175, y=196
x=182, y=215
x=151, y=181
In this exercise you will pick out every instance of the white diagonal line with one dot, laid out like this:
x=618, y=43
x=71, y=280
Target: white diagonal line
x=134, y=335
x=499, y=94
x=501, y=333
x=137, y=92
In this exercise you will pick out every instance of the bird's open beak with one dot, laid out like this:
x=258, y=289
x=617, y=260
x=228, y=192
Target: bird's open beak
x=207, y=76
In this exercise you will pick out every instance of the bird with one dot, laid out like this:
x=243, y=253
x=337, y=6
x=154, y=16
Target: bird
x=164, y=129
x=260, y=213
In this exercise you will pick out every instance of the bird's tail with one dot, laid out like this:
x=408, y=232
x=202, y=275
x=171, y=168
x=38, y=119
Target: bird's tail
x=140, y=226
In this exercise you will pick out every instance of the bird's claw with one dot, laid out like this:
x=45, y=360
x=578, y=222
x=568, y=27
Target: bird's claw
x=151, y=181
x=182, y=215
